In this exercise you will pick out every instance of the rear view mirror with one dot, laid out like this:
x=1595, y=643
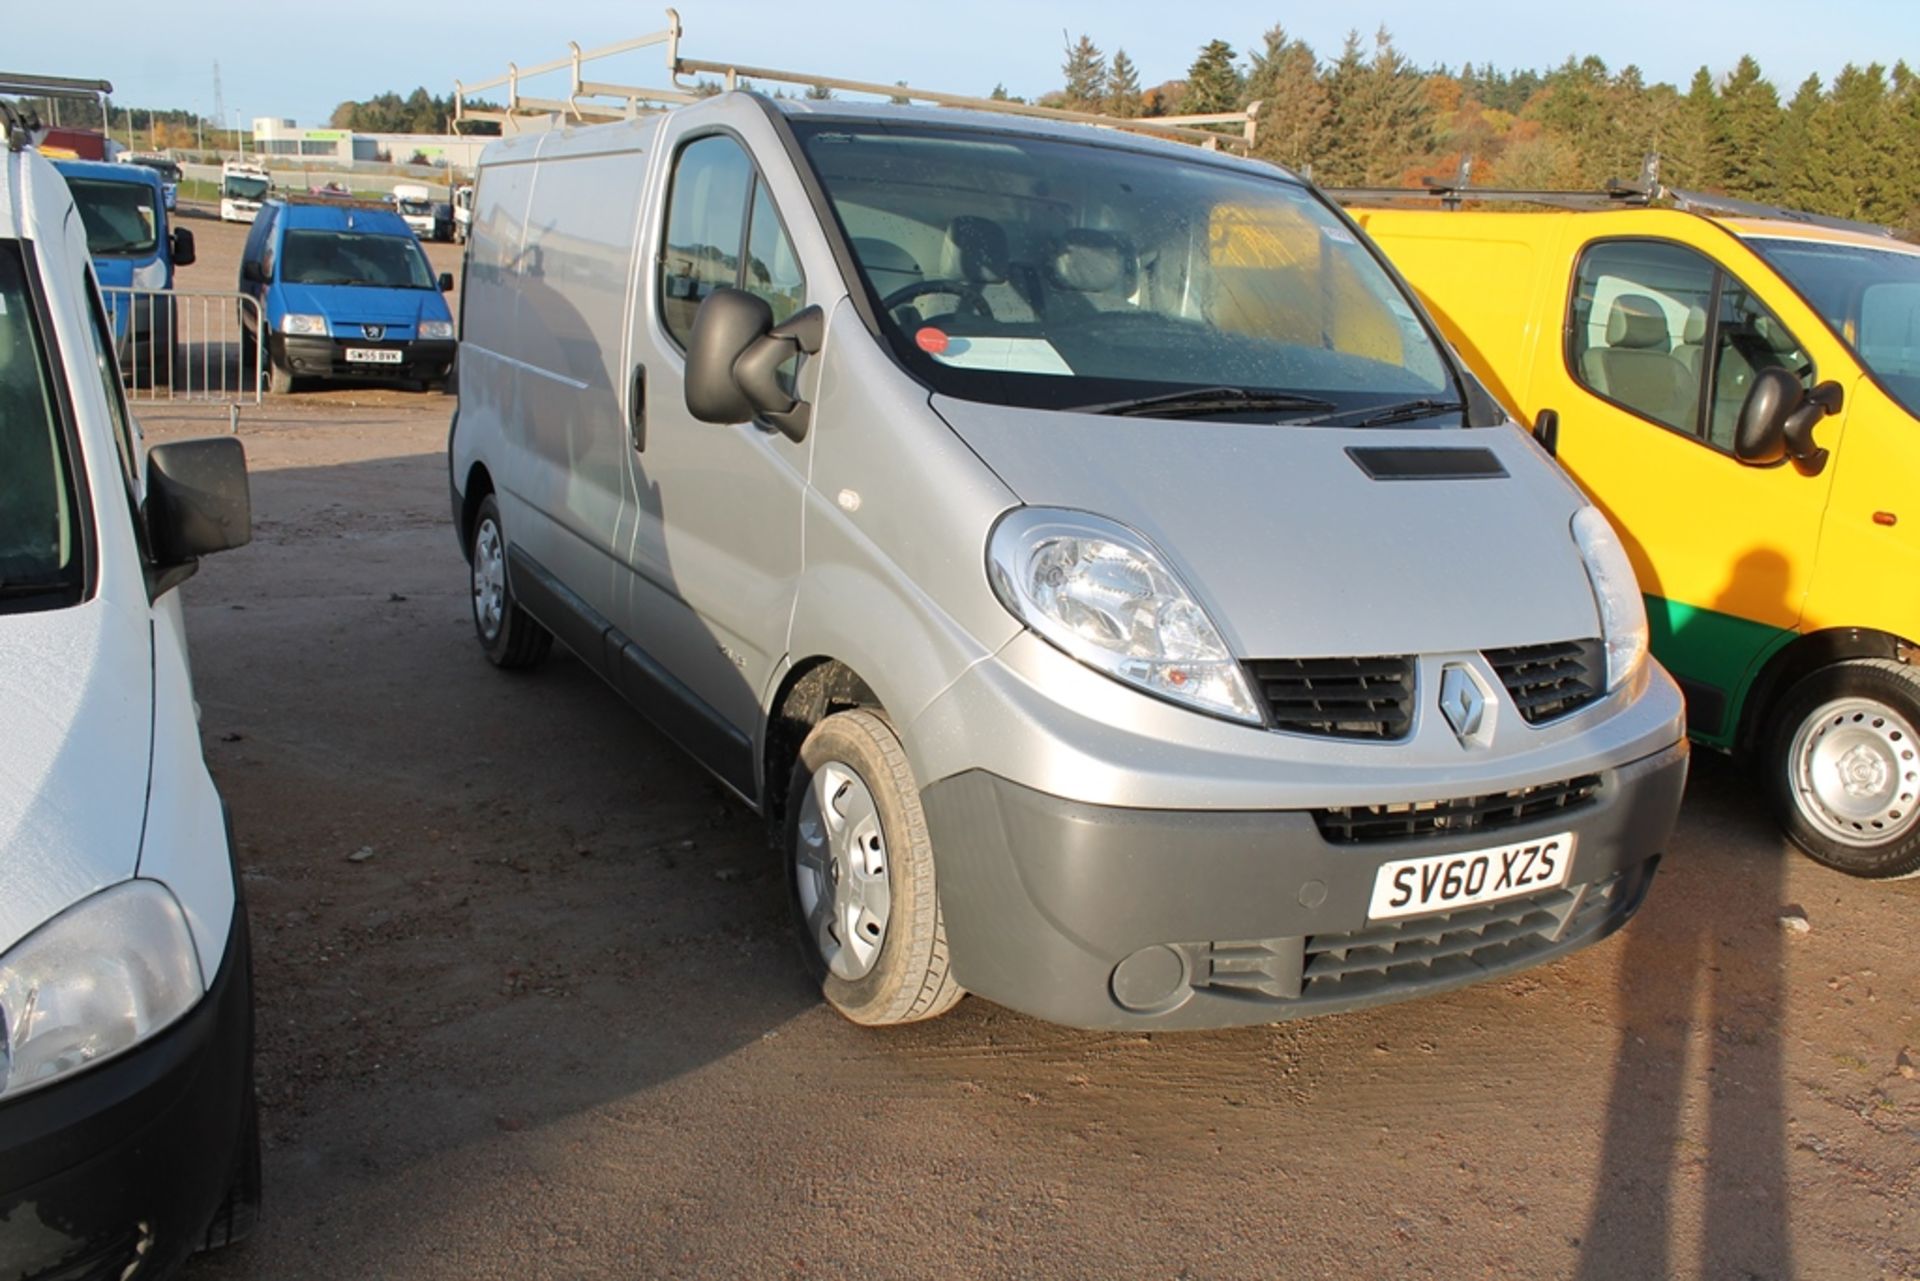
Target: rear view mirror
x=1778, y=418
x=734, y=359
x=197, y=503
x=446, y=282
x=182, y=247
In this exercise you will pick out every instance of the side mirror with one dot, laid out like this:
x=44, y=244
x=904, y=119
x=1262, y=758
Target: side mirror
x=1546, y=430
x=251, y=273
x=182, y=247
x=197, y=503
x=1776, y=422
x=446, y=282
x=734, y=359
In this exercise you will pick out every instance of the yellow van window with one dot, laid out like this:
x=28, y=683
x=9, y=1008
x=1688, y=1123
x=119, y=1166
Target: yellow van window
x=1279, y=273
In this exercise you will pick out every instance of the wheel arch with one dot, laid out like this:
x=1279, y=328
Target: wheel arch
x=812, y=690
x=1804, y=656
x=479, y=485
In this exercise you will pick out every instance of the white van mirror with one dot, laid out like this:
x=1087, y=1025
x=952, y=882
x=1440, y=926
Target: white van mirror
x=734, y=358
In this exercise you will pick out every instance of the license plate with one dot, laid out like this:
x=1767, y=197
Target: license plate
x=1444, y=882
x=374, y=356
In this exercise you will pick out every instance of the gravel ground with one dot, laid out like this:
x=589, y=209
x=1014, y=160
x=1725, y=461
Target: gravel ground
x=529, y=1005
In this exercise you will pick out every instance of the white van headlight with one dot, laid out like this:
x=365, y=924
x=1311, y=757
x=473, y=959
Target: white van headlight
x=1623, y=614
x=94, y=981
x=293, y=323
x=1098, y=591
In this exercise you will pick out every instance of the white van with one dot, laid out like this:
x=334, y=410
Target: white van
x=128, y=1136
x=1079, y=546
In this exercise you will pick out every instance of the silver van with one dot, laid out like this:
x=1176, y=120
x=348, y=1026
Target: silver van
x=1079, y=546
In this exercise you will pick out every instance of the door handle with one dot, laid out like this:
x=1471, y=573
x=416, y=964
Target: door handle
x=637, y=410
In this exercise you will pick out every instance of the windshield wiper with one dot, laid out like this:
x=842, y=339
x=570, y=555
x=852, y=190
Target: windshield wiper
x=1203, y=400
x=1383, y=415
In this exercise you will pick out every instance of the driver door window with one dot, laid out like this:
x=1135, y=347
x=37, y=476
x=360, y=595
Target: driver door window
x=1667, y=334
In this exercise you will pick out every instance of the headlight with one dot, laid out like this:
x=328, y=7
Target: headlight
x=436, y=329
x=93, y=982
x=1623, y=614
x=1098, y=591
x=292, y=324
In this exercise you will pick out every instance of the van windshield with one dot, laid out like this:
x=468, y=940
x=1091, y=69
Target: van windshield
x=313, y=257
x=1033, y=271
x=119, y=216
x=1870, y=298
x=40, y=561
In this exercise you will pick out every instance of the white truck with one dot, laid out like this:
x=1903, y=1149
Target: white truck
x=244, y=184
x=462, y=211
x=416, y=206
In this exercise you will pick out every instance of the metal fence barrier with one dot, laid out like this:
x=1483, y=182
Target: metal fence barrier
x=187, y=344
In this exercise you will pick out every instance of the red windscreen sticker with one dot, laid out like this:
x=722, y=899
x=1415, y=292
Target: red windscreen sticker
x=931, y=340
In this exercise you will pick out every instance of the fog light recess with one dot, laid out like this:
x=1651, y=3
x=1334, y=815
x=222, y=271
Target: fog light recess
x=1151, y=981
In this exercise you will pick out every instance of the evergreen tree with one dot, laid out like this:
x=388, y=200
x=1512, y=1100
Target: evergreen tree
x=818, y=93
x=1294, y=106
x=1086, y=74
x=1793, y=147
x=1381, y=122
x=1686, y=150
x=1213, y=81
x=1746, y=124
x=1123, y=87
x=1855, y=150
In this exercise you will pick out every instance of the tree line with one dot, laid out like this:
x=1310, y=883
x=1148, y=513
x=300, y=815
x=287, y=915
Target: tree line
x=1371, y=117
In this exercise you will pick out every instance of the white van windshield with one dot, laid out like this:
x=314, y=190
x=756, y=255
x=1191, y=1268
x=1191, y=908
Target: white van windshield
x=354, y=258
x=1033, y=271
x=1870, y=298
x=40, y=561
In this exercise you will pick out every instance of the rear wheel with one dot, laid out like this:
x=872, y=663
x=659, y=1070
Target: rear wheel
x=861, y=875
x=1844, y=767
x=508, y=634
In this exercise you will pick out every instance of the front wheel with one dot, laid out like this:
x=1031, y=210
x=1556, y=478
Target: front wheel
x=508, y=634
x=1844, y=764
x=860, y=872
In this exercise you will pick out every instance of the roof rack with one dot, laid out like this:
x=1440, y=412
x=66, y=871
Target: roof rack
x=589, y=102
x=19, y=124
x=1643, y=191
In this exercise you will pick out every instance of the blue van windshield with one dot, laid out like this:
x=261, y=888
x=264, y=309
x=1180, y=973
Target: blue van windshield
x=313, y=257
x=119, y=216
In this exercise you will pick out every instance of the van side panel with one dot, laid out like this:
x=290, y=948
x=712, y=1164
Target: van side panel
x=489, y=317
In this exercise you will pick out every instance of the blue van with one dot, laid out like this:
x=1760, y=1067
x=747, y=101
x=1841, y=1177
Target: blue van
x=124, y=209
x=345, y=292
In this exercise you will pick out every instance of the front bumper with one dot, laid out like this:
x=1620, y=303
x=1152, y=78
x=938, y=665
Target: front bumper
x=1104, y=917
x=421, y=359
x=128, y=1162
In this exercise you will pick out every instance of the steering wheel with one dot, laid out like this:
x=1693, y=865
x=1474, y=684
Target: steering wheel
x=966, y=291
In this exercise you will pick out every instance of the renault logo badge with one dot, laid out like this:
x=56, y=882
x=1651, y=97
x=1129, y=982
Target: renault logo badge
x=1462, y=701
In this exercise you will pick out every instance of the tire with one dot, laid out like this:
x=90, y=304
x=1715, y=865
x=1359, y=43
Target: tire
x=852, y=763
x=280, y=381
x=1843, y=765
x=508, y=635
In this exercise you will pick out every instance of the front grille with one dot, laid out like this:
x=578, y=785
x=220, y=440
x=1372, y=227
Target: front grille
x=1358, y=824
x=1430, y=949
x=1548, y=681
x=1338, y=697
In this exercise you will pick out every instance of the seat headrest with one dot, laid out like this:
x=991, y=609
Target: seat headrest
x=1636, y=321
x=975, y=251
x=1694, y=332
x=1093, y=262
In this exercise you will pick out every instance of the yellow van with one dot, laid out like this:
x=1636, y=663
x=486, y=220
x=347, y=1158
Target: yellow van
x=1738, y=389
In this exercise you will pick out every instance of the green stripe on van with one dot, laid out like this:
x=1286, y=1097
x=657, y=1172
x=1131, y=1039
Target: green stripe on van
x=1713, y=656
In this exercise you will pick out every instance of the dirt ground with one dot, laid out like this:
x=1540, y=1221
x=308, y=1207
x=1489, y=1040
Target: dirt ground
x=529, y=1006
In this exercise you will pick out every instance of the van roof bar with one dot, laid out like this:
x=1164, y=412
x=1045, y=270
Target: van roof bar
x=20, y=124
x=1639, y=192
x=616, y=102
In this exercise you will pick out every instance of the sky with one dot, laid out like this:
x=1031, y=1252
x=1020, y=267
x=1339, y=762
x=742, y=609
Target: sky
x=297, y=61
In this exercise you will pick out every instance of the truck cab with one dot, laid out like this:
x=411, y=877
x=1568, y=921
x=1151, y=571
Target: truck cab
x=243, y=186
x=344, y=291
x=1740, y=392
x=415, y=204
x=135, y=252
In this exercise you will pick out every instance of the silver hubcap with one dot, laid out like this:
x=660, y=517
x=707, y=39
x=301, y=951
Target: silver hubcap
x=841, y=871
x=489, y=579
x=1856, y=772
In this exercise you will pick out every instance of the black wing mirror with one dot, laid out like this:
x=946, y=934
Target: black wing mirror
x=252, y=272
x=1777, y=421
x=197, y=503
x=734, y=359
x=182, y=247
x=446, y=282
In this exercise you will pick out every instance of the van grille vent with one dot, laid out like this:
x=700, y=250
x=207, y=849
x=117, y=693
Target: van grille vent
x=1549, y=681
x=1339, y=697
x=1357, y=824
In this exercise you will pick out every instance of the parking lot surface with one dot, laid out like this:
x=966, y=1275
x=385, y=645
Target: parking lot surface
x=529, y=1005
